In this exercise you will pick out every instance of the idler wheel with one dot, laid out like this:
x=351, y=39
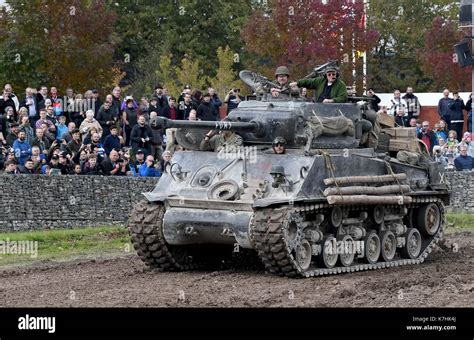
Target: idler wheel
x=303, y=254
x=429, y=219
x=412, y=247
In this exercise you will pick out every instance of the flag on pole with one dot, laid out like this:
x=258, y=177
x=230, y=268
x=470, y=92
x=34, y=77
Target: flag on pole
x=362, y=21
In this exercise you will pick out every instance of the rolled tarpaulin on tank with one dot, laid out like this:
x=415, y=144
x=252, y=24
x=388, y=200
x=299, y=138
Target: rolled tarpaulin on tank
x=383, y=190
x=366, y=199
x=365, y=179
x=329, y=126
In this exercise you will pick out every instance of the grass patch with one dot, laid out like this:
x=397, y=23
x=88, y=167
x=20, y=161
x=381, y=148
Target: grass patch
x=65, y=244
x=458, y=222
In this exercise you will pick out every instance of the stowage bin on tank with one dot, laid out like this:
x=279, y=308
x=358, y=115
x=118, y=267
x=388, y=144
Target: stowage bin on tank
x=335, y=201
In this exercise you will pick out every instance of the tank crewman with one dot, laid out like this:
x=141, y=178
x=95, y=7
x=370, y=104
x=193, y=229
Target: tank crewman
x=282, y=75
x=226, y=141
x=329, y=88
x=279, y=145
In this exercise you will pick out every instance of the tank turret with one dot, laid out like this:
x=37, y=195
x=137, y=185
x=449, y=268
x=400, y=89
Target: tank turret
x=303, y=125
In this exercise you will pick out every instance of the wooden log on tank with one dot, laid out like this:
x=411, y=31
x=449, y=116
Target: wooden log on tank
x=383, y=190
x=365, y=179
x=366, y=199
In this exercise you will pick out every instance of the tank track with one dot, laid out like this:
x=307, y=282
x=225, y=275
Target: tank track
x=267, y=234
x=145, y=229
x=148, y=240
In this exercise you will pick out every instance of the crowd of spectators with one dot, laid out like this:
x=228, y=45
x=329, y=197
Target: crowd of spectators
x=445, y=140
x=79, y=134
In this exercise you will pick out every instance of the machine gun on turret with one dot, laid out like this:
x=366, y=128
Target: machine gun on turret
x=259, y=83
x=319, y=70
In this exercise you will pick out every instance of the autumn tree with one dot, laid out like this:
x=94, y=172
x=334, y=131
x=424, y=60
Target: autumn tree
x=226, y=76
x=189, y=72
x=302, y=34
x=61, y=43
x=436, y=57
x=147, y=31
x=393, y=63
x=167, y=75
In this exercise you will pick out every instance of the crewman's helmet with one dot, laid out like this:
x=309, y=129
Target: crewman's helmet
x=279, y=140
x=282, y=70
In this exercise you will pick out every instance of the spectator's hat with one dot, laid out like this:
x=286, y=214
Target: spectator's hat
x=187, y=87
x=95, y=91
x=436, y=148
x=140, y=151
x=331, y=69
x=128, y=99
x=55, y=157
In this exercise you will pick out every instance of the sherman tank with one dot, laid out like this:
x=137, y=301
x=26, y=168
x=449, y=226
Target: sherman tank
x=339, y=200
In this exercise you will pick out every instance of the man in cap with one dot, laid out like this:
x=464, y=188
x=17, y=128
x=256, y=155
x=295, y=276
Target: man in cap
x=282, y=75
x=206, y=110
x=13, y=135
x=139, y=161
x=186, y=90
x=329, y=88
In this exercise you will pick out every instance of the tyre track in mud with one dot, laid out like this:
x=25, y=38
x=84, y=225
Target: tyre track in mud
x=446, y=279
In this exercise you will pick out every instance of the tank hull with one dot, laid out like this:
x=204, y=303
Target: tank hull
x=330, y=204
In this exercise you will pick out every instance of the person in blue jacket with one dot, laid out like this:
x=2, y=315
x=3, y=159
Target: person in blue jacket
x=112, y=141
x=21, y=148
x=148, y=169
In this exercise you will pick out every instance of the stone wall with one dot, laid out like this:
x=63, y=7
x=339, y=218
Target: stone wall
x=31, y=202
x=462, y=187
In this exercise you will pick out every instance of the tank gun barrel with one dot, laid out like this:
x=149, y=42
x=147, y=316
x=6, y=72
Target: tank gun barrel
x=220, y=125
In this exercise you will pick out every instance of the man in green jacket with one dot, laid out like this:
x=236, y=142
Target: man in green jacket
x=329, y=88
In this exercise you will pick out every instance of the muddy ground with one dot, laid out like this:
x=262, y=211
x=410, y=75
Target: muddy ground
x=445, y=279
